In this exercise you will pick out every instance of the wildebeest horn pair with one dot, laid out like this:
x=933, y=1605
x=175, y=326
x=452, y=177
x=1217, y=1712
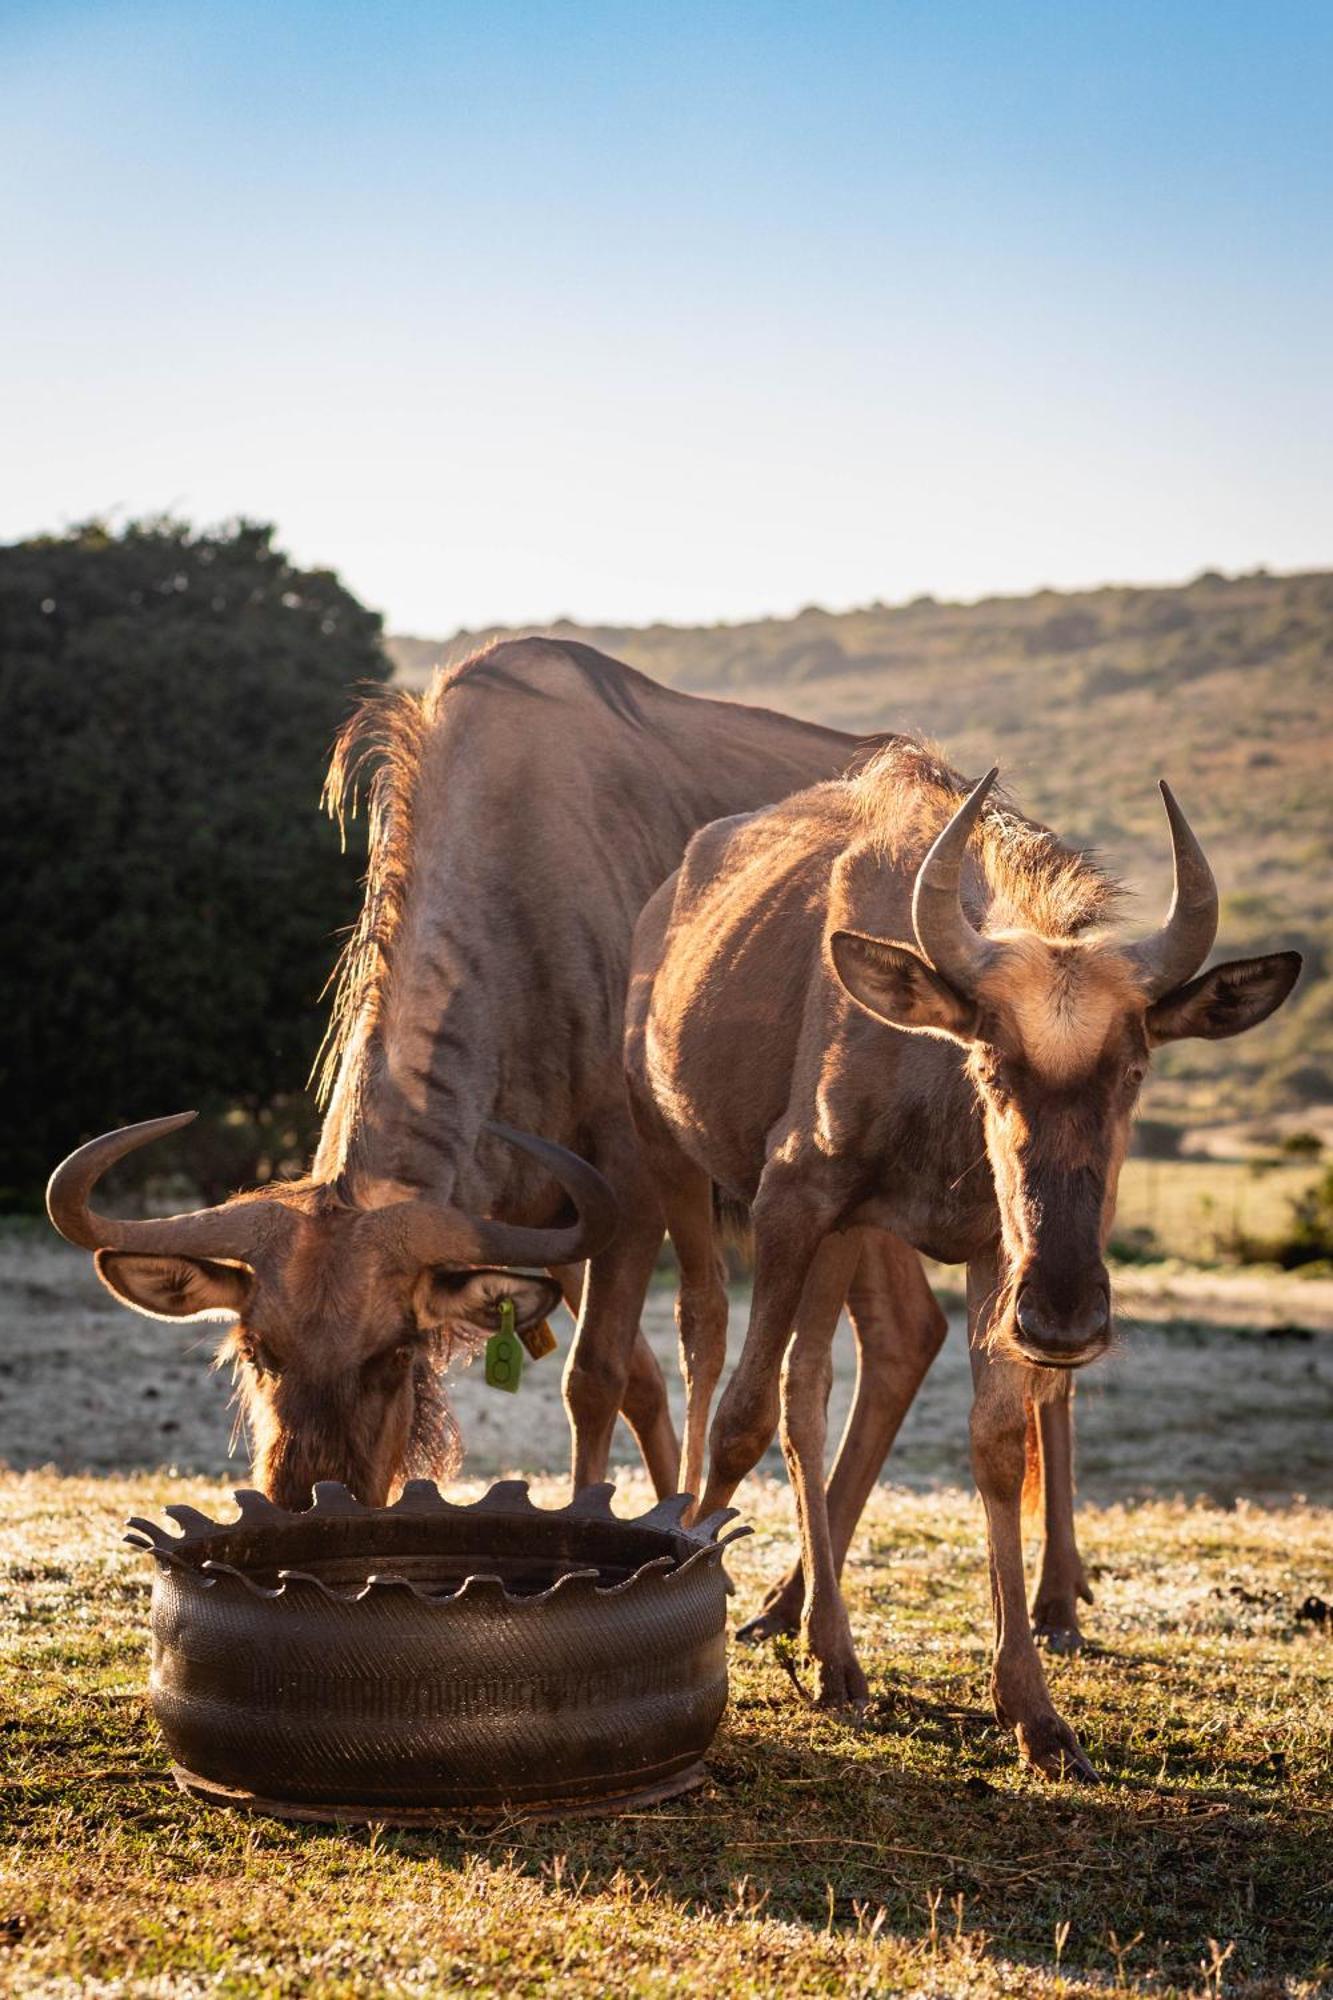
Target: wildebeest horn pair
x=961, y=953
x=421, y=1231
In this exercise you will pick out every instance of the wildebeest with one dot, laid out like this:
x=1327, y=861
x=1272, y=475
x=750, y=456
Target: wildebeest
x=522, y=812
x=846, y=1018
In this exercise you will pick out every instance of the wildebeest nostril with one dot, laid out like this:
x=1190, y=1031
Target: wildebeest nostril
x=1034, y=1319
x=1060, y=1337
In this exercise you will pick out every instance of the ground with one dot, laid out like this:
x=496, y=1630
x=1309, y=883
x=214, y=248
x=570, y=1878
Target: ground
x=905, y=1853
x=902, y=1853
x=1222, y=1384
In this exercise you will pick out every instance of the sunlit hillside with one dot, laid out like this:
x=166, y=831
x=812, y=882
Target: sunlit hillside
x=1223, y=685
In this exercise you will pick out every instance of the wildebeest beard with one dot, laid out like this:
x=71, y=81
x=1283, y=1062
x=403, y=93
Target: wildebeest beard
x=435, y=1444
x=324, y=1443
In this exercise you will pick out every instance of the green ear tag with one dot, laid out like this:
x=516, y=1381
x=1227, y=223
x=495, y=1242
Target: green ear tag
x=504, y=1353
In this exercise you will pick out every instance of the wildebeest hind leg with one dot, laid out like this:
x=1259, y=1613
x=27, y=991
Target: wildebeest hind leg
x=701, y=1305
x=610, y=1367
x=806, y=1374
x=789, y=1226
x=1062, y=1579
x=645, y=1409
x=899, y=1330
x=644, y=1398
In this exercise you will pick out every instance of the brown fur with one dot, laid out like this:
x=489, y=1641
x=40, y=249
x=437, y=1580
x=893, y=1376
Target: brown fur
x=522, y=811
x=787, y=1041
x=1031, y=1463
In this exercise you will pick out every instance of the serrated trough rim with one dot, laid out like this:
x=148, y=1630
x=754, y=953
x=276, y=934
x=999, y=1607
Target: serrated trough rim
x=422, y=1496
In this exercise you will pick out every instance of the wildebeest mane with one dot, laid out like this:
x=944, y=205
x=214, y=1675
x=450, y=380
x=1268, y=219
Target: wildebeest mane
x=378, y=751
x=906, y=793
x=378, y=748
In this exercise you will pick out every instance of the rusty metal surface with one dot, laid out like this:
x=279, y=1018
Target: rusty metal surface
x=430, y=1658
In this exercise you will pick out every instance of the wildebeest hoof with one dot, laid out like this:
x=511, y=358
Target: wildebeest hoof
x=1058, y=1638
x=769, y=1622
x=840, y=1684
x=1051, y=1747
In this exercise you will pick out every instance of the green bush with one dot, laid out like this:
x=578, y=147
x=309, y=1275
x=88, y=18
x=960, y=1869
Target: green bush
x=1310, y=1238
x=172, y=888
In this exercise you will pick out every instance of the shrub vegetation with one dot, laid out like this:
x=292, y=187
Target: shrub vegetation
x=172, y=889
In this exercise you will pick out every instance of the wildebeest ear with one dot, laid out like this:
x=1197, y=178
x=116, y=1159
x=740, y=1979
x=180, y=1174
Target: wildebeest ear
x=1226, y=1000
x=474, y=1298
x=174, y=1287
x=894, y=983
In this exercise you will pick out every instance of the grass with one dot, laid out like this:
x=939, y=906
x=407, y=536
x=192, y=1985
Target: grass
x=1193, y=1208
x=906, y=1853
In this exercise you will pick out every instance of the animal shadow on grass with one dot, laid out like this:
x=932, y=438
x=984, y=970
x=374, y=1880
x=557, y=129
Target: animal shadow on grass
x=831, y=1820
x=916, y=1808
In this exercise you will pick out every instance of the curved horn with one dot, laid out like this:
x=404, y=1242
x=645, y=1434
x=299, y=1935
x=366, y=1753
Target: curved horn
x=1175, y=953
x=436, y=1235
x=234, y=1230
x=942, y=929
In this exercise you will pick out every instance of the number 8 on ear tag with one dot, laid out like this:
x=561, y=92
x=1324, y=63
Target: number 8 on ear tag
x=504, y=1353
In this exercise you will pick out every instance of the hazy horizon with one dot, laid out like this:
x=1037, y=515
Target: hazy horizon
x=942, y=599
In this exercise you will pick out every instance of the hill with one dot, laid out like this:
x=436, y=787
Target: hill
x=1085, y=699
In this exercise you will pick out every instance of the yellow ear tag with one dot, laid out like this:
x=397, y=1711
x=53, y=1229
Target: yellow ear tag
x=539, y=1340
x=504, y=1353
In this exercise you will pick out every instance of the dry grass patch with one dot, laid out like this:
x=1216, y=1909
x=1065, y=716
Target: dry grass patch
x=905, y=1853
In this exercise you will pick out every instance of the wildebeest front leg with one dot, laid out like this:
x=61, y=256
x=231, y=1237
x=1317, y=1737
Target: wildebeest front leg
x=1062, y=1579
x=806, y=1374
x=1018, y=1684
x=899, y=1329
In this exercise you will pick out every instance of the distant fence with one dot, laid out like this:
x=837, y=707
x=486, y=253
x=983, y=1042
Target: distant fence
x=1198, y=1208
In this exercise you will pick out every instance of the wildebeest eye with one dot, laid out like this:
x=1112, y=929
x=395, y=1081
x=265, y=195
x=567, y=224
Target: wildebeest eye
x=1135, y=1074
x=261, y=1358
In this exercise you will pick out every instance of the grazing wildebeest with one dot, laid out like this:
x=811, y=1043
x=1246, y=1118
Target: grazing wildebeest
x=842, y=1017
x=522, y=812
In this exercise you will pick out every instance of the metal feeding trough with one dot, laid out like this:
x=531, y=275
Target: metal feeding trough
x=398, y=1663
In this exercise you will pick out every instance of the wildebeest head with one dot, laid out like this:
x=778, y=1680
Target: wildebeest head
x=1059, y=1032
x=345, y=1317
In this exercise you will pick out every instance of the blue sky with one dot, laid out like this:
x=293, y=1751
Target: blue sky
x=690, y=311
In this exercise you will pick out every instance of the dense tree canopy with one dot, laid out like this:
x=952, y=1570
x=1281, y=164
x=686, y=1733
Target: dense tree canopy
x=171, y=888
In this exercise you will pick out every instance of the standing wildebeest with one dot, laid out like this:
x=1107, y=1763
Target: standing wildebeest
x=522, y=813
x=971, y=1091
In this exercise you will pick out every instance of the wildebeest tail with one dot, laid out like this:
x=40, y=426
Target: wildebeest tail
x=731, y=1219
